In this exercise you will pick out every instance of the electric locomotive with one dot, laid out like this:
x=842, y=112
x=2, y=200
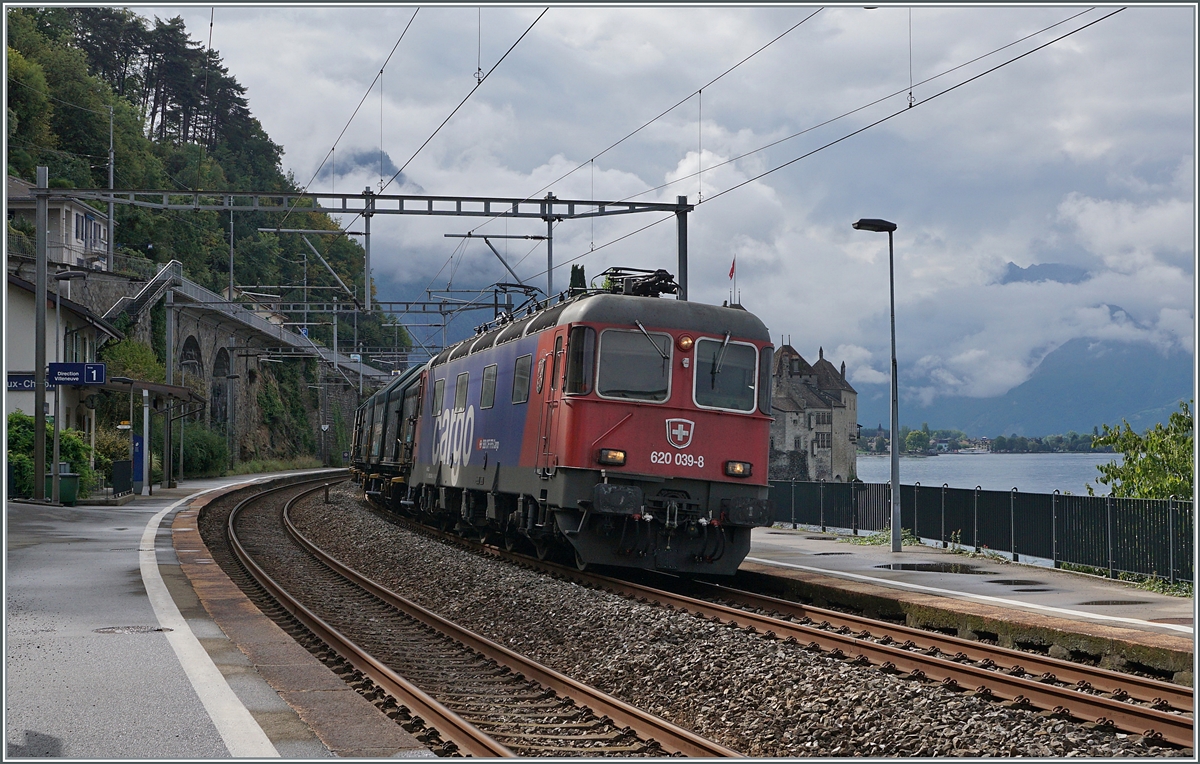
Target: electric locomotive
x=625, y=429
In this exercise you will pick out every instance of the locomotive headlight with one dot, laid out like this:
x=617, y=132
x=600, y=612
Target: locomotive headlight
x=737, y=469
x=612, y=456
x=685, y=342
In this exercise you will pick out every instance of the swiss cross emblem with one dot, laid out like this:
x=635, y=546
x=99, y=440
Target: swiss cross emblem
x=679, y=432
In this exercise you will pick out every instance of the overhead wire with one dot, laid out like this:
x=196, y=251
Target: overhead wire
x=921, y=103
x=363, y=100
x=662, y=114
x=866, y=127
x=857, y=109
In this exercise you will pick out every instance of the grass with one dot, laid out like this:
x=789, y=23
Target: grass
x=882, y=538
x=274, y=465
x=1150, y=583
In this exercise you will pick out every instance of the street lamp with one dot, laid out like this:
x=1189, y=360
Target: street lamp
x=67, y=276
x=879, y=226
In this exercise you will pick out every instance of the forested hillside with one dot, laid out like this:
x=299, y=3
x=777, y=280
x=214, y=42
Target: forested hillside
x=180, y=121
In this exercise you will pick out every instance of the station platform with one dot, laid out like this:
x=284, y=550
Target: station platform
x=111, y=652
x=1061, y=613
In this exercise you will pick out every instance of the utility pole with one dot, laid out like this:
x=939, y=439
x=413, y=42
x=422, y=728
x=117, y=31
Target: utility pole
x=169, y=424
x=111, y=161
x=368, y=212
x=681, y=226
x=548, y=208
x=41, y=219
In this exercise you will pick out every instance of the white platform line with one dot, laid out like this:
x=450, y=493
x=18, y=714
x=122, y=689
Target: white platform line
x=980, y=597
x=242, y=735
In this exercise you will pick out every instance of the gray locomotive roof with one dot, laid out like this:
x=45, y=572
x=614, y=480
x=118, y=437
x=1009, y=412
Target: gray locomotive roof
x=653, y=312
x=666, y=314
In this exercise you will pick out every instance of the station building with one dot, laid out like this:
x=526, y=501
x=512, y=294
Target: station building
x=77, y=236
x=815, y=432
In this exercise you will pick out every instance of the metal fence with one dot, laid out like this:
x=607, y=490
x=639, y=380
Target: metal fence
x=1143, y=536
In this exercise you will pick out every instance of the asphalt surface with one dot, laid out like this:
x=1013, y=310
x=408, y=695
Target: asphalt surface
x=87, y=672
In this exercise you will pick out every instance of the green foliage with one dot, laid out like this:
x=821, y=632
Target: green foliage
x=917, y=442
x=882, y=538
x=256, y=466
x=1157, y=463
x=72, y=448
x=1070, y=442
x=130, y=358
x=881, y=445
x=205, y=453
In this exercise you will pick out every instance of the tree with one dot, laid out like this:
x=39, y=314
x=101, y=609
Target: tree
x=1157, y=463
x=917, y=442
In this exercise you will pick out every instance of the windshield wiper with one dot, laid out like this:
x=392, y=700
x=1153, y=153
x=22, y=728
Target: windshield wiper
x=650, y=339
x=719, y=360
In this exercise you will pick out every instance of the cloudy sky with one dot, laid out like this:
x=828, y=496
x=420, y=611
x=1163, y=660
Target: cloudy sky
x=1080, y=155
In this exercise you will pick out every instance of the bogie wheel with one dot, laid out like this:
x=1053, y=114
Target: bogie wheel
x=541, y=548
x=580, y=565
x=510, y=541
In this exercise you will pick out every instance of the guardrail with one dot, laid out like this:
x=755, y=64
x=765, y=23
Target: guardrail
x=1152, y=537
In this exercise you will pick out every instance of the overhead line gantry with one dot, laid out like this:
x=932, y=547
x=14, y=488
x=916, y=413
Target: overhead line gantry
x=367, y=204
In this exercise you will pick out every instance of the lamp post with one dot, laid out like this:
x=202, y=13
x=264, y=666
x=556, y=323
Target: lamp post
x=879, y=226
x=68, y=277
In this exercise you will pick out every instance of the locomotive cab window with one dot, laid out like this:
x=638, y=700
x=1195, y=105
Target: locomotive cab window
x=520, y=391
x=439, y=395
x=460, y=391
x=558, y=353
x=487, y=395
x=634, y=366
x=581, y=360
x=725, y=375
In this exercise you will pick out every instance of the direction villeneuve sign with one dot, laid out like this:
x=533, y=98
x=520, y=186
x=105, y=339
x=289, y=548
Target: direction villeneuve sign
x=77, y=374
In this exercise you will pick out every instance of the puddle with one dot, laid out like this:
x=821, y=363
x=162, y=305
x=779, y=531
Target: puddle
x=1015, y=582
x=1116, y=602
x=1033, y=590
x=937, y=567
x=826, y=554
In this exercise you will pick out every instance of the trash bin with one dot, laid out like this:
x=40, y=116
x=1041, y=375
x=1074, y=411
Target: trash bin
x=68, y=487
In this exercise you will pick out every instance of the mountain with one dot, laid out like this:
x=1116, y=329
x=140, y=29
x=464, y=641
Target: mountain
x=1082, y=384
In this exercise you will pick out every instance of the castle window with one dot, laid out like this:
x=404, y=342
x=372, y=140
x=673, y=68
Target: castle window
x=796, y=443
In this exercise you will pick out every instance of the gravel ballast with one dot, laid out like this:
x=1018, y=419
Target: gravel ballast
x=757, y=696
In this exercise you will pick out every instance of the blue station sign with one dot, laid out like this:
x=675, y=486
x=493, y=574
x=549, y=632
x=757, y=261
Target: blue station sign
x=78, y=374
x=24, y=382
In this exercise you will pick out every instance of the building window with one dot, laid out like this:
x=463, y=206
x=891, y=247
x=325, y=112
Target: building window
x=796, y=443
x=823, y=439
x=79, y=227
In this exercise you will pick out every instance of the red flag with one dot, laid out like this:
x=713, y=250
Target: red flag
x=733, y=267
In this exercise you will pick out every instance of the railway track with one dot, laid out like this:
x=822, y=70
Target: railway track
x=1160, y=711
x=475, y=696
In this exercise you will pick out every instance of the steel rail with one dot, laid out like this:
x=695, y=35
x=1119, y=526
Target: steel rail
x=648, y=726
x=469, y=738
x=1174, y=728
x=1152, y=691
x=1171, y=727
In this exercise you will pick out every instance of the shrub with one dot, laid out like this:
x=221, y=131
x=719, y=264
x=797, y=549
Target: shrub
x=72, y=448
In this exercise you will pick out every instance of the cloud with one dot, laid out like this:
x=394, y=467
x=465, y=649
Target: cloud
x=1077, y=159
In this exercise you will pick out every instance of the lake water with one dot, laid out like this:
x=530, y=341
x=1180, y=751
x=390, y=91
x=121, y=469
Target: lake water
x=1031, y=473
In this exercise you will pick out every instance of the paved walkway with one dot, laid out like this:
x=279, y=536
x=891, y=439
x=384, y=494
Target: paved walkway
x=109, y=654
